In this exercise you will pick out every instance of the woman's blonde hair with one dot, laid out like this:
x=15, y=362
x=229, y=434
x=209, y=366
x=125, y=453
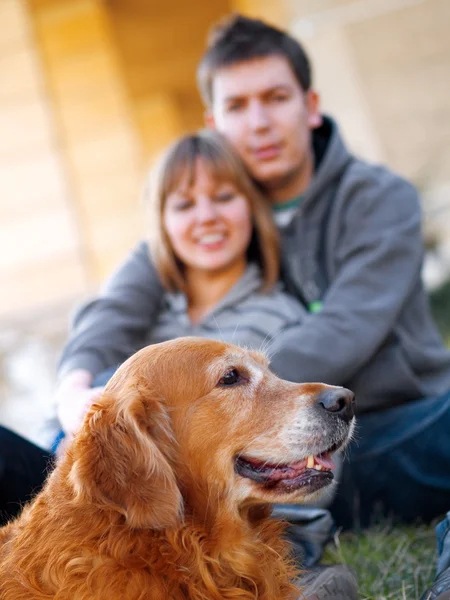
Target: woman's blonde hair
x=177, y=164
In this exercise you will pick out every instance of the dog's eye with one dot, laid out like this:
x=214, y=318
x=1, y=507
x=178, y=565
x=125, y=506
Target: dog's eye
x=230, y=378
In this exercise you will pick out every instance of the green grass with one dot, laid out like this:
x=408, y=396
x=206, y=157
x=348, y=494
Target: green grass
x=391, y=563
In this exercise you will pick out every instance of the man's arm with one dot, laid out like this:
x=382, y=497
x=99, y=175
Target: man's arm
x=111, y=327
x=378, y=257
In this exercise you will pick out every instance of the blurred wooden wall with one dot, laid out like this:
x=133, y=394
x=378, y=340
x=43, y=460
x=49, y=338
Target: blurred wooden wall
x=91, y=90
x=40, y=247
x=94, y=89
x=99, y=143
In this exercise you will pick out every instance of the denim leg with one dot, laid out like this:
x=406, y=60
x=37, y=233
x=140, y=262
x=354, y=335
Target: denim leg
x=443, y=544
x=309, y=530
x=399, y=465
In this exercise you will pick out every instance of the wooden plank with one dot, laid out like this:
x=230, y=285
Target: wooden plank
x=110, y=153
x=31, y=184
x=66, y=29
x=25, y=127
x=100, y=195
x=19, y=74
x=37, y=237
x=159, y=119
x=38, y=285
x=273, y=11
x=82, y=75
x=162, y=51
x=92, y=117
x=96, y=125
x=112, y=239
x=14, y=30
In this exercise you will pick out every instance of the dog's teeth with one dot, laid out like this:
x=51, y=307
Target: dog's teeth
x=310, y=462
x=318, y=467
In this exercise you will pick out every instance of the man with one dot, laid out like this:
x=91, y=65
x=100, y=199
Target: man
x=352, y=253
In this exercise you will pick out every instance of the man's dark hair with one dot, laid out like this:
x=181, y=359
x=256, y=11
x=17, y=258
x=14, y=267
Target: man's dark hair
x=237, y=38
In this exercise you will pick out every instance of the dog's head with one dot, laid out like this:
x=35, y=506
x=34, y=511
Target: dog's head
x=194, y=423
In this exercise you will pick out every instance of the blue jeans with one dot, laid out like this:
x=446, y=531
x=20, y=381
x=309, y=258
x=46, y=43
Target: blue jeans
x=443, y=544
x=399, y=465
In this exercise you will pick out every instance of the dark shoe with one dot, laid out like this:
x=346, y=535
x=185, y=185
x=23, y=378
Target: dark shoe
x=440, y=590
x=333, y=582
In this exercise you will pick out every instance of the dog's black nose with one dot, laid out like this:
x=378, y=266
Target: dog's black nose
x=339, y=401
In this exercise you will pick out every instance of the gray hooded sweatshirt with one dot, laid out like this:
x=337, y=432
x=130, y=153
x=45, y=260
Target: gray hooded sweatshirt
x=355, y=244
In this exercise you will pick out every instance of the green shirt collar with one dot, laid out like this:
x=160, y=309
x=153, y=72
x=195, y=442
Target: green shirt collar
x=289, y=204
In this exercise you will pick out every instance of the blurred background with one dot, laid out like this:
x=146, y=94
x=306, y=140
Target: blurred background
x=91, y=90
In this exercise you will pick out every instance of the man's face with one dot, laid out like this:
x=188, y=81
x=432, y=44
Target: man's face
x=260, y=107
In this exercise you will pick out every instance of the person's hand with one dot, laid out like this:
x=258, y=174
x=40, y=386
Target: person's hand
x=73, y=398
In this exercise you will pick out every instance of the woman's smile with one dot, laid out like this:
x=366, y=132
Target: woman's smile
x=212, y=241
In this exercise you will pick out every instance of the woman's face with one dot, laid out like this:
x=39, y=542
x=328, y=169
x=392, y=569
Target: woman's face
x=209, y=223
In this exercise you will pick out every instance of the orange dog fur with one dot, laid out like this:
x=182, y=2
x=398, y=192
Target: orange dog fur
x=148, y=502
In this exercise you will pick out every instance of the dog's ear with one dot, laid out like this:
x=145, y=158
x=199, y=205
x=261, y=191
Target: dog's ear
x=121, y=459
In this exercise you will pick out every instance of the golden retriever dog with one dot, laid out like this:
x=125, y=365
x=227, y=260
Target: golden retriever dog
x=164, y=492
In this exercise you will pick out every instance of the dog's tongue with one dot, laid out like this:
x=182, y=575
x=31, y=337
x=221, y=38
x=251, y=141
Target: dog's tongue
x=277, y=472
x=326, y=460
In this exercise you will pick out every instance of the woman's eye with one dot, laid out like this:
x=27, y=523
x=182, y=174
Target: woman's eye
x=224, y=197
x=183, y=205
x=230, y=378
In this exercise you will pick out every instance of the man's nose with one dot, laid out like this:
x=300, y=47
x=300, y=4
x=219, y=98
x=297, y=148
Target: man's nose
x=339, y=401
x=258, y=116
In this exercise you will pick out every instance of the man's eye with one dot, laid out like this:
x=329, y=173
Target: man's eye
x=234, y=107
x=279, y=98
x=230, y=378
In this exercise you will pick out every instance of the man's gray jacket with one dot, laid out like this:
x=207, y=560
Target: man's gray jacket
x=356, y=245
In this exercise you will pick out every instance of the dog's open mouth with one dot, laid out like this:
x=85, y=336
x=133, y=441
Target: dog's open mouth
x=313, y=472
